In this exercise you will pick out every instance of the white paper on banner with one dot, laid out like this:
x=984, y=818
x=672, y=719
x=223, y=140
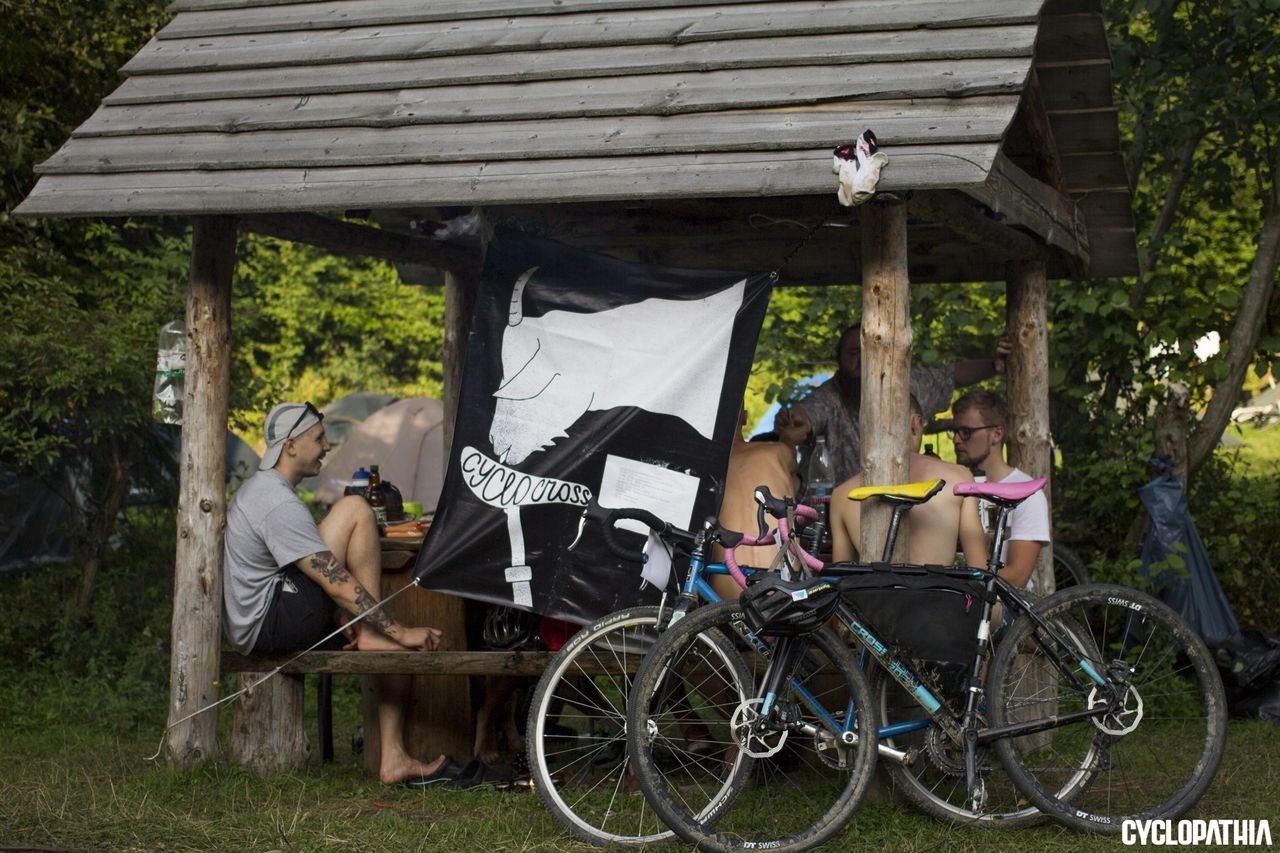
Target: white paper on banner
x=657, y=562
x=628, y=484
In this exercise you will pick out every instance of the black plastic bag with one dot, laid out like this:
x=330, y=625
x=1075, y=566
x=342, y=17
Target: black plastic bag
x=1192, y=589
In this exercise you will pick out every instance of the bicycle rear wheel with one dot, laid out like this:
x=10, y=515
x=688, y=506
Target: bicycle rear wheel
x=1154, y=753
x=1068, y=568
x=577, y=733
x=788, y=790
x=935, y=782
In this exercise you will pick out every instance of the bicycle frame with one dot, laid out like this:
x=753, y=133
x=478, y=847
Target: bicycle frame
x=964, y=729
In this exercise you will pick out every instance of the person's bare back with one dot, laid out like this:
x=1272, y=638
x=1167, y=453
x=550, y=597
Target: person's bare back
x=934, y=527
x=753, y=464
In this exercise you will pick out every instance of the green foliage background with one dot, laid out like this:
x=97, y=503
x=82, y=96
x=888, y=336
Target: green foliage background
x=83, y=302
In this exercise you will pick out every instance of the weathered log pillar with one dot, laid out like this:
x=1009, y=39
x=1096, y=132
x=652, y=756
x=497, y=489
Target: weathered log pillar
x=459, y=304
x=1027, y=439
x=884, y=418
x=202, y=499
x=267, y=728
x=438, y=715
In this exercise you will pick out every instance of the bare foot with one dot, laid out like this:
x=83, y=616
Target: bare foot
x=371, y=640
x=397, y=768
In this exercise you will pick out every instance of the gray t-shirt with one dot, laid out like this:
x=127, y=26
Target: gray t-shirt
x=268, y=527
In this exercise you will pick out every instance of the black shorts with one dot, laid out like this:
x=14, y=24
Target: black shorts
x=301, y=614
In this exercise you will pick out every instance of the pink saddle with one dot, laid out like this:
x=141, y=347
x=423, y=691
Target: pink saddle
x=1011, y=493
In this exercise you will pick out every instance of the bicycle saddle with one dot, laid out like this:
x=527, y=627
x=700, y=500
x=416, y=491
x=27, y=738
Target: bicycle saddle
x=911, y=493
x=1009, y=494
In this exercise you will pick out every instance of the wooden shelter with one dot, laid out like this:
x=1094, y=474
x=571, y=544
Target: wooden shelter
x=686, y=132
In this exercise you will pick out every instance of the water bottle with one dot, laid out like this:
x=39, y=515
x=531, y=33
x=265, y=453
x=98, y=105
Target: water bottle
x=171, y=372
x=821, y=480
x=359, y=483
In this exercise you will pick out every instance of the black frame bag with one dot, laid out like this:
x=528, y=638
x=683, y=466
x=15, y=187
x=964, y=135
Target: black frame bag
x=928, y=615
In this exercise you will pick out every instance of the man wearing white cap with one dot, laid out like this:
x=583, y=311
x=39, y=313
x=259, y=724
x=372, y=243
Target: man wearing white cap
x=285, y=574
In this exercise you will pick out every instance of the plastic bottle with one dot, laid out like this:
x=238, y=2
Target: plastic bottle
x=359, y=483
x=171, y=372
x=821, y=479
x=375, y=497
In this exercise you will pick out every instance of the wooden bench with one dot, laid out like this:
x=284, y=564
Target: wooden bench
x=268, y=728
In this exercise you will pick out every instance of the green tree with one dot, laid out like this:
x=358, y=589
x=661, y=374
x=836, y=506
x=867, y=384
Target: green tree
x=308, y=324
x=82, y=300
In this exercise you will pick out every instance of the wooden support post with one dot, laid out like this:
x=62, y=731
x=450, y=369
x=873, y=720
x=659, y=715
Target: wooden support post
x=1028, y=377
x=459, y=304
x=438, y=716
x=884, y=418
x=202, y=500
x=267, y=729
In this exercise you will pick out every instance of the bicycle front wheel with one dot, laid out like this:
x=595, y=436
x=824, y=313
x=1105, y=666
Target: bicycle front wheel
x=577, y=733
x=788, y=786
x=1154, y=751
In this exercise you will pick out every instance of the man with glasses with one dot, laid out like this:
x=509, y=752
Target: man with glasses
x=289, y=583
x=978, y=428
x=832, y=408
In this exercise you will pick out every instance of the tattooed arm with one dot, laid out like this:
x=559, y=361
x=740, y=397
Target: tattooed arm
x=337, y=582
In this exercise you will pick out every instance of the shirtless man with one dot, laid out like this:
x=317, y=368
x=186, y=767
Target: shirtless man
x=936, y=525
x=286, y=576
x=752, y=464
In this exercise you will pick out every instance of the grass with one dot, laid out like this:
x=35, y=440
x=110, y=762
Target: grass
x=69, y=779
x=1260, y=455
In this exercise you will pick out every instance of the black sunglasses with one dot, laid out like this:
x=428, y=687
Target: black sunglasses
x=966, y=433
x=307, y=408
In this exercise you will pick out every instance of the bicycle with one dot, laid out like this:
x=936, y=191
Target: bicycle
x=1100, y=704
x=1069, y=568
x=576, y=724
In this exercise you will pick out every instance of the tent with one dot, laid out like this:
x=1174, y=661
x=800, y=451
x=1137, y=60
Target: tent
x=405, y=440
x=344, y=415
x=36, y=512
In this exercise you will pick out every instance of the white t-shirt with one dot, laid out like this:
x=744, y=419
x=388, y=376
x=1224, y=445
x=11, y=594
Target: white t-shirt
x=1029, y=522
x=268, y=527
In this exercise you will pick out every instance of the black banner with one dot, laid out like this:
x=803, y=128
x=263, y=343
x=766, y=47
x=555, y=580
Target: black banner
x=586, y=376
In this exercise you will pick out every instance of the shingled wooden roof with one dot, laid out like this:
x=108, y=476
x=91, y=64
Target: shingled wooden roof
x=682, y=131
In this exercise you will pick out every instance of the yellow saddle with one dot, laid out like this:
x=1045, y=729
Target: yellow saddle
x=912, y=493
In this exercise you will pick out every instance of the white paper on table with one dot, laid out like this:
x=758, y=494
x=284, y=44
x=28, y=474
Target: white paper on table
x=628, y=484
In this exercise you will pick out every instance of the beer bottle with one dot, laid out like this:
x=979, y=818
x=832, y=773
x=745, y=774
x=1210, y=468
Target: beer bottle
x=376, y=499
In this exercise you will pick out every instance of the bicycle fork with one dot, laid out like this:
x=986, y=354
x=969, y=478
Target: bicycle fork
x=782, y=665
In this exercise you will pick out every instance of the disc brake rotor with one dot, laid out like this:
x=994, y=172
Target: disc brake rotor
x=747, y=734
x=1121, y=721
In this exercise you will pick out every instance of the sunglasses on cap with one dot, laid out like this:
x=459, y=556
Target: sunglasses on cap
x=307, y=408
x=966, y=433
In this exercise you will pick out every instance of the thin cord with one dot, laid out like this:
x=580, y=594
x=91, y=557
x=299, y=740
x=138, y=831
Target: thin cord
x=278, y=669
x=800, y=244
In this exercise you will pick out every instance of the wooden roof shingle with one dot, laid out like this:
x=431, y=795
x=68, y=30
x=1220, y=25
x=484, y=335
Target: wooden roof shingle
x=266, y=106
